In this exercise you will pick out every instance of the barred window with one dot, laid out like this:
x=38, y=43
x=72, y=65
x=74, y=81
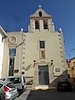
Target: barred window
x=42, y=44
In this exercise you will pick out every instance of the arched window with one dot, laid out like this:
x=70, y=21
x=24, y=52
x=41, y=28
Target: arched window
x=36, y=24
x=40, y=13
x=45, y=24
x=11, y=66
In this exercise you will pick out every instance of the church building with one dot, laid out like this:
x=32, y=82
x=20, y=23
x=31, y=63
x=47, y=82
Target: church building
x=37, y=54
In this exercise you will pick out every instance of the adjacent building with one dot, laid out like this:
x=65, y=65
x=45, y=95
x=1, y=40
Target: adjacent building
x=2, y=36
x=71, y=69
x=38, y=54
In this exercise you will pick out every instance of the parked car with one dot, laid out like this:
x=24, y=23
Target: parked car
x=64, y=85
x=9, y=89
x=2, y=94
x=19, y=82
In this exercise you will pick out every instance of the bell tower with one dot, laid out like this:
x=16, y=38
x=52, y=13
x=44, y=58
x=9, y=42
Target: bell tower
x=40, y=21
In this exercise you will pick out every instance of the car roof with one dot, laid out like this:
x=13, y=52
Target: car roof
x=12, y=76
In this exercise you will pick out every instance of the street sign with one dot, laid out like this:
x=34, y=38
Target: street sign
x=12, y=51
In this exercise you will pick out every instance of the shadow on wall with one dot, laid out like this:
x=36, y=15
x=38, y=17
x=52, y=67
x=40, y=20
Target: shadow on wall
x=64, y=75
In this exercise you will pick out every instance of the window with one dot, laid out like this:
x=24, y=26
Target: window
x=11, y=67
x=74, y=64
x=3, y=79
x=10, y=85
x=36, y=24
x=15, y=80
x=45, y=24
x=23, y=62
x=42, y=44
x=23, y=57
x=40, y=13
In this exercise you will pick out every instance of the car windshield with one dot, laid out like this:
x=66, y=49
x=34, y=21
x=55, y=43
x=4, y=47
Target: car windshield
x=10, y=85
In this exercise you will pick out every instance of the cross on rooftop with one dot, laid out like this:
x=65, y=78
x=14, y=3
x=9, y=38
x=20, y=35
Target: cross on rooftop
x=40, y=6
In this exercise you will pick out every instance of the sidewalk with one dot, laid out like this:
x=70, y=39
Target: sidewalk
x=24, y=95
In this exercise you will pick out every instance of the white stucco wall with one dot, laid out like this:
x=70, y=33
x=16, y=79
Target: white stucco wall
x=53, y=46
x=1, y=53
x=52, y=50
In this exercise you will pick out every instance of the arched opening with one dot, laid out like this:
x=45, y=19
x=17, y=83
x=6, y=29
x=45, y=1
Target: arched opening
x=40, y=13
x=36, y=24
x=45, y=24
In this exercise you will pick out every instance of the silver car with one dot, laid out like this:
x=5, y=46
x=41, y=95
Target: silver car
x=10, y=90
x=18, y=80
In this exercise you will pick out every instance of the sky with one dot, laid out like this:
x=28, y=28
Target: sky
x=14, y=15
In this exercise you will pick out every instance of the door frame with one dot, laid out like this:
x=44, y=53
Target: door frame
x=43, y=73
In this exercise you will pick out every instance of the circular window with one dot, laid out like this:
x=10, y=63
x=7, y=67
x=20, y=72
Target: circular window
x=12, y=39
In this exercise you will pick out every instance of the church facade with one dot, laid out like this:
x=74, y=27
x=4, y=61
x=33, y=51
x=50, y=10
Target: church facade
x=38, y=53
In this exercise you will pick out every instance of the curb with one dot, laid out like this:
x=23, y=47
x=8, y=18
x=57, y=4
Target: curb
x=24, y=95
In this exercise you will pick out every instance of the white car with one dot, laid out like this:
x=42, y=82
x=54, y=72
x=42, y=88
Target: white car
x=19, y=82
x=10, y=90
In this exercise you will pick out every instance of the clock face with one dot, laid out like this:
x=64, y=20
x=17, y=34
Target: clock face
x=12, y=39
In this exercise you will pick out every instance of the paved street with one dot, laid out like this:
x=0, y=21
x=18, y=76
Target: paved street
x=51, y=95
x=47, y=95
